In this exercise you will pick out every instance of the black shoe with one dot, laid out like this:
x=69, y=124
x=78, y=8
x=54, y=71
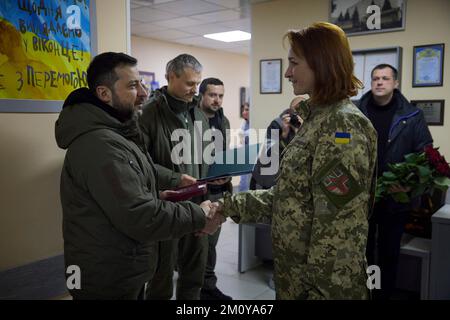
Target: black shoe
x=213, y=294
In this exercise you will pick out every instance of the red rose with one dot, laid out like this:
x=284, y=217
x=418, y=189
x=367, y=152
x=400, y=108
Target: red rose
x=443, y=169
x=436, y=160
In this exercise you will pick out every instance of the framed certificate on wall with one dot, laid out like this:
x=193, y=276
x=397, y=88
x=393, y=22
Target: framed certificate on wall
x=433, y=111
x=428, y=65
x=270, y=76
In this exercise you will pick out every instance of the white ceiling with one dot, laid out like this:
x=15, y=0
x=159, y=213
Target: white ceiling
x=186, y=21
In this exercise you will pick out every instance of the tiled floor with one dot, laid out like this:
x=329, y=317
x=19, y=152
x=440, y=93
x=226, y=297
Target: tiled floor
x=251, y=285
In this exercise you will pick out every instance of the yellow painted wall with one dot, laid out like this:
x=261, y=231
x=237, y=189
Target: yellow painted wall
x=427, y=22
x=30, y=165
x=113, y=32
x=231, y=68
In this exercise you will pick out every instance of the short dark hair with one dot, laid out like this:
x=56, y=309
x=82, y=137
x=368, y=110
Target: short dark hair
x=383, y=66
x=182, y=61
x=101, y=69
x=206, y=82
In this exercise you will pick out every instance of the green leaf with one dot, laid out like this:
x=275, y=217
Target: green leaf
x=442, y=181
x=401, y=197
x=388, y=175
x=411, y=158
x=424, y=171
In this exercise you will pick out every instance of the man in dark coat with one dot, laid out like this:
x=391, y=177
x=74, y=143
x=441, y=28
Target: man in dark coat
x=401, y=129
x=212, y=91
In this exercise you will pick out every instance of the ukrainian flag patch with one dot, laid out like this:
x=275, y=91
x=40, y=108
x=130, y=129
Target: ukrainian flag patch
x=342, y=137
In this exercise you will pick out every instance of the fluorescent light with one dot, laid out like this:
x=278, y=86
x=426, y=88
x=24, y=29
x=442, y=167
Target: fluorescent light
x=230, y=36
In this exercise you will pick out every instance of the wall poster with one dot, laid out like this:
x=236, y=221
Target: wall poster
x=45, y=49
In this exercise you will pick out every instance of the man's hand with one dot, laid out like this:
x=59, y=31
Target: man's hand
x=286, y=126
x=206, y=206
x=218, y=210
x=396, y=188
x=213, y=219
x=186, y=180
x=219, y=182
x=163, y=195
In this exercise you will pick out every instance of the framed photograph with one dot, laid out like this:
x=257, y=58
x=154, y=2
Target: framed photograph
x=428, y=65
x=270, y=76
x=432, y=109
x=44, y=56
x=357, y=17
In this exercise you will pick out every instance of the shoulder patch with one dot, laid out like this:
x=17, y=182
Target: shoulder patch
x=337, y=183
x=342, y=137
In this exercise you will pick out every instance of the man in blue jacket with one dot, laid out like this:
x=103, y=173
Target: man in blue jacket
x=401, y=129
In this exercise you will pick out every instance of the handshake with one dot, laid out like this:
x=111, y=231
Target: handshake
x=214, y=217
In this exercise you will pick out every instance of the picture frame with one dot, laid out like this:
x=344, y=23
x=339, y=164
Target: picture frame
x=433, y=111
x=428, y=65
x=361, y=18
x=270, y=76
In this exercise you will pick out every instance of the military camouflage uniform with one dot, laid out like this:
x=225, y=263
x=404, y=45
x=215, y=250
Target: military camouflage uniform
x=319, y=207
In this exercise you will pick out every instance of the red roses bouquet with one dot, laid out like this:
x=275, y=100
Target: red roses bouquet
x=421, y=173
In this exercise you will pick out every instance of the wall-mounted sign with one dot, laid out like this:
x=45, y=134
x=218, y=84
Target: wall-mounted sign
x=45, y=49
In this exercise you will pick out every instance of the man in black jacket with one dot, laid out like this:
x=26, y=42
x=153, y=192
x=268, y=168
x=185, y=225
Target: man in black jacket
x=212, y=91
x=401, y=129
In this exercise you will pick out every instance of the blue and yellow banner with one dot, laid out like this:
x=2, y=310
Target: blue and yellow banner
x=45, y=48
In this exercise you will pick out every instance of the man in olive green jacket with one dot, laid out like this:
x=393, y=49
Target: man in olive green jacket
x=171, y=115
x=112, y=216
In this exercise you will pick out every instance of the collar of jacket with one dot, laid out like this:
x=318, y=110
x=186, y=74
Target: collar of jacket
x=402, y=106
x=84, y=95
x=403, y=109
x=219, y=114
x=80, y=116
x=176, y=105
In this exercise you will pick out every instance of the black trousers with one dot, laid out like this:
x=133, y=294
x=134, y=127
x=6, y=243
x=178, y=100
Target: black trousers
x=386, y=228
x=210, y=280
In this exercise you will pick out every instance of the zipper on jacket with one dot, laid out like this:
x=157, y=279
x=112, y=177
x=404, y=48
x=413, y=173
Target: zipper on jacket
x=400, y=120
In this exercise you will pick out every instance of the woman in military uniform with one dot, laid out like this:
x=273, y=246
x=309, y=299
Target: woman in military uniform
x=319, y=207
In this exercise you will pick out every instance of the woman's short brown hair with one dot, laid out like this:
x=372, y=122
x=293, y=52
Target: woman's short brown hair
x=327, y=52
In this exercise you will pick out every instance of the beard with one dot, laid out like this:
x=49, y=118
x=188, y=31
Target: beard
x=125, y=110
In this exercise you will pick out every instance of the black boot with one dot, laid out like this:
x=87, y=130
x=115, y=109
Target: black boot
x=213, y=294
